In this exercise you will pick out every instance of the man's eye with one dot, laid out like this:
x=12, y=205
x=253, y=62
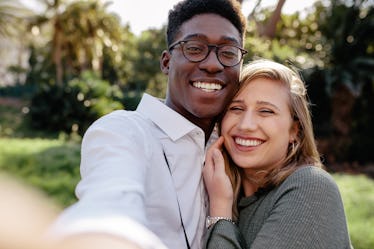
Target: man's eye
x=194, y=49
x=228, y=54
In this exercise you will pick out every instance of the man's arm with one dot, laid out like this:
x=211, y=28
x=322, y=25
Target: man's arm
x=112, y=190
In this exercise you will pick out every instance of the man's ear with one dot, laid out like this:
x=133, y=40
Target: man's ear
x=164, y=62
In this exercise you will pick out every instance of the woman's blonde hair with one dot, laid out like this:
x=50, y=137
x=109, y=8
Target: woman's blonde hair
x=303, y=151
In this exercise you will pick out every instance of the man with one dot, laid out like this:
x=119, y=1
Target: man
x=144, y=167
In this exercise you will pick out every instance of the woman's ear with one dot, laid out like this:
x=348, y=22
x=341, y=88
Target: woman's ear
x=164, y=62
x=294, y=131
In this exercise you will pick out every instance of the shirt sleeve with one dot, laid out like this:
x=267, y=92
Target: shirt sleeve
x=223, y=235
x=111, y=192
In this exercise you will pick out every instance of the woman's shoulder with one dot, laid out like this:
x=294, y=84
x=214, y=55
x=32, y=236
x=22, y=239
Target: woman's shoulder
x=311, y=179
x=310, y=172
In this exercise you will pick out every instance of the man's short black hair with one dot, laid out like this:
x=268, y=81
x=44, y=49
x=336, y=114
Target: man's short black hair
x=186, y=9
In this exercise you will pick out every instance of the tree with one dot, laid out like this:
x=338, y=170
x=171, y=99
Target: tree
x=149, y=77
x=269, y=28
x=346, y=68
x=81, y=31
x=12, y=13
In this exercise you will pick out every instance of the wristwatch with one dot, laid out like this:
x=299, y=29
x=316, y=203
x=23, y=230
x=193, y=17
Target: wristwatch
x=210, y=221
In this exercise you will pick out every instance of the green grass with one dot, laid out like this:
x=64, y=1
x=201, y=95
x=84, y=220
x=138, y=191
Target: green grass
x=358, y=198
x=51, y=165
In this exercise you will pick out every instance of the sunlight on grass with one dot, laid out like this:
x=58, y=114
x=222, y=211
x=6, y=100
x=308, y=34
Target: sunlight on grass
x=358, y=197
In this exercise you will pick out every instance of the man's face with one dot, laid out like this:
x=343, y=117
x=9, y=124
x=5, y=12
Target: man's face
x=200, y=90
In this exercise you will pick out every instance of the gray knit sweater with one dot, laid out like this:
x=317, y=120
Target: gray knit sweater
x=305, y=211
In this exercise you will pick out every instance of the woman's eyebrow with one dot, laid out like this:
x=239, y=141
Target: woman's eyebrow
x=267, y=103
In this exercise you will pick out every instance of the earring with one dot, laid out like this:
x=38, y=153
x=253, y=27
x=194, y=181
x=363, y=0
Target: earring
x=294, y=147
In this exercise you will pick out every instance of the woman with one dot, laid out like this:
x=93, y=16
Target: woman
x=273, y=192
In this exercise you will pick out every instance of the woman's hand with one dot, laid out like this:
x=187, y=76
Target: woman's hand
x=217, y=182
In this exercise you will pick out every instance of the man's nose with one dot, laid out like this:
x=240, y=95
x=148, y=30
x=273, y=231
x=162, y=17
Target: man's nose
x=211, y=62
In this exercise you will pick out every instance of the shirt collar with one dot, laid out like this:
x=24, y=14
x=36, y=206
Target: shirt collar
x=168, y=120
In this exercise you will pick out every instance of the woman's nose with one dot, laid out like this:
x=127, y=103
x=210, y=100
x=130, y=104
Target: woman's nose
x=248, y=121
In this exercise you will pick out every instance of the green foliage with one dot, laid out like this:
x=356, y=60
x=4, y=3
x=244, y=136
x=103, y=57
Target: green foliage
x=361, y=149
x=346, y=68
x=358, y=198
x=13, y=123
x=11, y=120
x=77, y=36
x=350, y=61
x=12, y=14
x=50, y=165
x=149, y=77
x=118, y=66
x=75, y=106
x=41, y=69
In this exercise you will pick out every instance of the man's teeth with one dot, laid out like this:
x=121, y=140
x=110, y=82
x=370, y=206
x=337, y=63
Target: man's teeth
x=247, y=142
x=208, y=87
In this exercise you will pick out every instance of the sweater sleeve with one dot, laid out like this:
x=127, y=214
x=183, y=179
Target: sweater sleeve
x=223, y=235
x=307, y=212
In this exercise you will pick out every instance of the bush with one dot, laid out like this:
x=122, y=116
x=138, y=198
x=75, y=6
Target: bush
x=75, y=106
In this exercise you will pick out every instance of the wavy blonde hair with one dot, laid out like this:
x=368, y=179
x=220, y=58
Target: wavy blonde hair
x=304, y=150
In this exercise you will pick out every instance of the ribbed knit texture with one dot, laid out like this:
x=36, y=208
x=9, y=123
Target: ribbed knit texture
x=305, y=211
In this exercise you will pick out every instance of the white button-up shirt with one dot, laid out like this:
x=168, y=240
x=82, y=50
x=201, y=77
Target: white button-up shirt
x=125, y=175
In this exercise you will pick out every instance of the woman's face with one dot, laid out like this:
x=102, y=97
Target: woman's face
x=258, y=126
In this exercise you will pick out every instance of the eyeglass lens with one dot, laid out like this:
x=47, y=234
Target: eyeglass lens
x=196, y=51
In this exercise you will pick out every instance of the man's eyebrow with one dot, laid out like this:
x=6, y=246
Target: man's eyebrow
x=204, y=37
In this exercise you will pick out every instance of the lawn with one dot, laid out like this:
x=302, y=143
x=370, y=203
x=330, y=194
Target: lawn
x=51, y=165
x=358, y=198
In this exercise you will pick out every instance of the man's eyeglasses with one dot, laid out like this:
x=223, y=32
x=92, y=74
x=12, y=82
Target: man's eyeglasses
x=196, y=51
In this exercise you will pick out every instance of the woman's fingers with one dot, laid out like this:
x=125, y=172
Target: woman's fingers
x=209, y=155
x=218, y=143
x=218, y=161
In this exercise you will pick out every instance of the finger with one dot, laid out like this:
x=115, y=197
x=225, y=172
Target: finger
x=218, y=143
x=218, y=161
x=209, y=165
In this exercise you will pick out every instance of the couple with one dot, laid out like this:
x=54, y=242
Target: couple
x=142, y=171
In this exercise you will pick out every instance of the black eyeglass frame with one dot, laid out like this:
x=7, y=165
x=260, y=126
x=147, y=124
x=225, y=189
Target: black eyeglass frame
x=210, y=47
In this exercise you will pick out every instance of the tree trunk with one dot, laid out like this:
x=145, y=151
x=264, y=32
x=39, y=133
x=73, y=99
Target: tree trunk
x=57, y=51
x=270, y=28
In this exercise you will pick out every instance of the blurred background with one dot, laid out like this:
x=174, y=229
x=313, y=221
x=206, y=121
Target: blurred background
x=66, y=63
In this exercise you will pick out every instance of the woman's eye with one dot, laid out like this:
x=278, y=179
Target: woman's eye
x=235, y=108
x=266, y=111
